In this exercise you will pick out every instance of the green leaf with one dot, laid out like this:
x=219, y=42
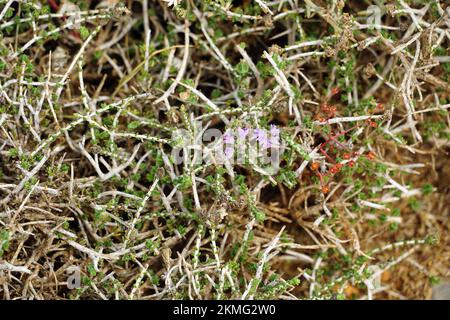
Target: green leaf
x=133, y=125
x=84, y=33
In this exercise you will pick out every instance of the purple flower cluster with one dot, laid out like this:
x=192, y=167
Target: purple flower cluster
x=266, y=139
x=228, y=139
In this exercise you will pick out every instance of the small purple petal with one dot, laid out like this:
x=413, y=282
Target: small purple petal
x=228, y=137
x=242, y=133
x=260, y=134
x=274, y=131
x=229, y=151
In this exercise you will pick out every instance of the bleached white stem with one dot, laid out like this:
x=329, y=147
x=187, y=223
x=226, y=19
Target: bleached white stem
x=9, y=267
